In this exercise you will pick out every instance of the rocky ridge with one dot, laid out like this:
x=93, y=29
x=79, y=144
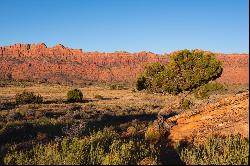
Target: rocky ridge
x=59, y=64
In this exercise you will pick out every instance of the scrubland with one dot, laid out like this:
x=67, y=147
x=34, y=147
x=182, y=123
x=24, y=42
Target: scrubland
x=116, y=126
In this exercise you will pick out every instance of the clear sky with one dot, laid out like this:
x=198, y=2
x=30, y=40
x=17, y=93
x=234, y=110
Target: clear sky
x=159, y=26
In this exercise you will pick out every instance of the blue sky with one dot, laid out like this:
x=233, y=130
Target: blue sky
x=158, y=26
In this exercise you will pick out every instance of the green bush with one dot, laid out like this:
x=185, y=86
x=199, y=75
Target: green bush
x=186, y=104
x=141, y=83
x=149, y=78
x=205, y=90
x=194, y=68
x=232, y=150
x=74, y=95
x=28, y=98
x=186, y=71
x=103, y=147
x=154, y=134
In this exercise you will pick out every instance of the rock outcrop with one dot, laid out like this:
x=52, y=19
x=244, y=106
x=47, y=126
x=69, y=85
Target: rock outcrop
x=227, y=116
x=61, y=64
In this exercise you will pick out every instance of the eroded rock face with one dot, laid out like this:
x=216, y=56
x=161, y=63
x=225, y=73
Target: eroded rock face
x=227, y=116
x=34, y=50
x=235, y=68
x=61, y=64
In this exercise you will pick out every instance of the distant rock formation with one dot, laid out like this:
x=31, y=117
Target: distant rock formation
x=60, y=64
x=40, y=49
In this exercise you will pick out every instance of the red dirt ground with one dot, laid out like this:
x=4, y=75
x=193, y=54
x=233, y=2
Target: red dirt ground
x=227, y=116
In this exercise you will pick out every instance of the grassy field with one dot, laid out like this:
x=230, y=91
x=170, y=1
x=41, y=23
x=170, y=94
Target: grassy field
x=108, y=127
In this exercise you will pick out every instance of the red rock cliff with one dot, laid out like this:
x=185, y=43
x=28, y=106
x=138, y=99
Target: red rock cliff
x=62, y=64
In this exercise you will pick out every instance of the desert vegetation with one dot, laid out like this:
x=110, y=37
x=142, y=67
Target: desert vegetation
x=74, y=95
x=217, y=151
x=28, y=97
x=45, y=123
x=187, y=70
x=116, y=128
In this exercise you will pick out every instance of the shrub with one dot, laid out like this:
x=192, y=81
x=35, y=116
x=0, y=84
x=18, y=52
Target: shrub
x=215, y=86
x=152, y=134
x=141, y=83
x=28, y=98
x=127, y=152
x=186, y=71
x=186, y=104
x=149, y=78
x=205, y=90
x=194, y=68
x=103, y=147
x=232, y=150
x=74, y=95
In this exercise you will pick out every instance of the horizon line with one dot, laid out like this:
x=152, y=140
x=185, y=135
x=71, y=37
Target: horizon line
x=165, y=53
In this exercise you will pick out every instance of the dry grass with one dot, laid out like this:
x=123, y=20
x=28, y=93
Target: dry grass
x=127, y=111
x=111, y=98
x=122, y=98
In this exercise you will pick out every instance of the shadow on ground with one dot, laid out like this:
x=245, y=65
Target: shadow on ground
x=65, y=101
x=114, y=120
x=7, y=105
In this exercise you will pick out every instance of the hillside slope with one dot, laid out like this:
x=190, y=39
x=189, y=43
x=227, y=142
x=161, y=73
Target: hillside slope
x=227, y=116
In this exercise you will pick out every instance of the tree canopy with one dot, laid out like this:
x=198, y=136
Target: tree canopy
x=186, y=71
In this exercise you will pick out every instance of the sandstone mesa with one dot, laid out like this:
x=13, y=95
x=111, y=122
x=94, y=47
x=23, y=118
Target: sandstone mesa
x=58, y=64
